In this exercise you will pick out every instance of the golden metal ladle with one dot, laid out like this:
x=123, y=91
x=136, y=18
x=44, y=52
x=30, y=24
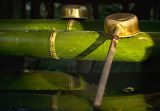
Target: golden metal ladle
x=118, y=25
x=74, y=12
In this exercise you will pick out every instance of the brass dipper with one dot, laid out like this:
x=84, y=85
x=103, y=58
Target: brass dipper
x=72, y=11
x=117, y=25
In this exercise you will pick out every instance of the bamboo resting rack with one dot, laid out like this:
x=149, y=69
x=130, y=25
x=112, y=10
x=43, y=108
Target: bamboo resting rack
x=49, y=39
x=33, y=38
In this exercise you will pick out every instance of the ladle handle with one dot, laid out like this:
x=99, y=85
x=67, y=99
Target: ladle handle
x=105, y=72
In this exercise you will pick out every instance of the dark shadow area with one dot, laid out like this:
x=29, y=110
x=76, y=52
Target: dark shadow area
x=154, y=101
x=99, y=41
x=11, y=64
x=150, y=76
x=151, y=67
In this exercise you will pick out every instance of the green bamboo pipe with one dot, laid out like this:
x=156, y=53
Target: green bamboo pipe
x=85, y=45
x=39, y=24
x=140, y=102
x=32, y=80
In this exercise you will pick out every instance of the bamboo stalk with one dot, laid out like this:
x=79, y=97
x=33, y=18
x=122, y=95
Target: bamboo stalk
x=141, y=102
x=84, y=45
x=45, y=24
x=41, y=80
x=37, y=24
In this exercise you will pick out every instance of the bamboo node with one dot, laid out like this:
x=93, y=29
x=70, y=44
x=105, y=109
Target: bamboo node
x=52, y=45
x=70, y=24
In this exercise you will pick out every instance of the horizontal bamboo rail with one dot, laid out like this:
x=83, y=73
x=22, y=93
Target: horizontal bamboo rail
x=40, y=80
x=141, y=102
x=39, y=24
x=43, y=24
x=43, y=81
x=85, y=45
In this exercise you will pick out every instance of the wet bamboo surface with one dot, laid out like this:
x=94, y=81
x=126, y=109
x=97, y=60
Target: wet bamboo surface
x=40, y=90
x=84, y=45
x=24, y=37
x=46, y=24
x=40, y=80
x=74, y=102
x=119, y=82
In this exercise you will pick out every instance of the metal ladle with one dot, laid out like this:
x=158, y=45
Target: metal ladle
x=119, y=25
x=72, y=11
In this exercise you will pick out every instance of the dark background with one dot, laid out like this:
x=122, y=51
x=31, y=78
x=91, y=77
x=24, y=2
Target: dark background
x=15, y=9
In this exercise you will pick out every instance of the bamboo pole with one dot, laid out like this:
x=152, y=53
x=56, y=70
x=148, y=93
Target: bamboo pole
x=38, y=24
x=141, y=102
x=84, y=45
x=32, y=80
x=37, y=81
x=45, y=24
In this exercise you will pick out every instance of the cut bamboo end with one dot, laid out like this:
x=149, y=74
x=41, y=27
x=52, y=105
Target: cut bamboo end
x=126, y=23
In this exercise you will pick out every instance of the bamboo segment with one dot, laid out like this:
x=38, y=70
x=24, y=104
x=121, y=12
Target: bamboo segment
x=93, y=46
x=84, y=45
x=44, y=102
x=53, y=80
x=39, y=24
x=41, y=80
x=141, y=102
x=29, y=43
